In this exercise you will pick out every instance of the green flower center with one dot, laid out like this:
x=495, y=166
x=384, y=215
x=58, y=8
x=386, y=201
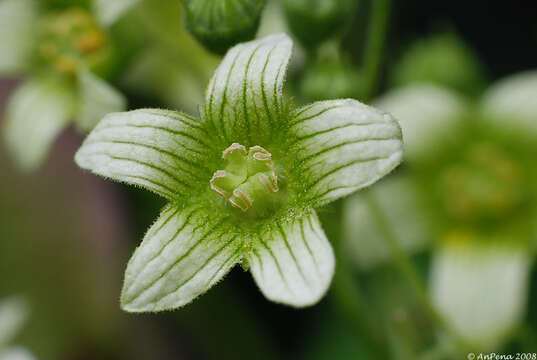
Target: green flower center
x=249, y=180
x=487, y=185
x=70, y=38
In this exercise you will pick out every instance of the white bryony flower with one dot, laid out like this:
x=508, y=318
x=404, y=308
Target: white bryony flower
x=478, y=284
x=242, y=181
x=59, y=54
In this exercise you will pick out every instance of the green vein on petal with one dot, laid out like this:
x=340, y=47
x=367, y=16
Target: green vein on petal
x=342, y=146
x=244, y=97
x=293, y=262
x=183, y=254
x=141, y=147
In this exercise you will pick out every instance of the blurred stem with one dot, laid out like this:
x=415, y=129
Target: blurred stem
x=374, y=48
x=347, y=292
x=348, y=295
x=410, y=273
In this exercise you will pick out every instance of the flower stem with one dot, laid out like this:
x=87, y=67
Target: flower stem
x=374, y=48
x=347, y=293
x=410, y=273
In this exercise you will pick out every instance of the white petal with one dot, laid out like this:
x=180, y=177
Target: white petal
x=16, y=353
x=481, y=289
x=397, y=197
x=244, y=98
x=108, y=11
x=183, y=254
x=160, y=150
x=427, y=114
x=38, y=110
x=342, y=146
x=13, y=313
x=97, y=98
x=293, y=262
x=511, y=102
x=17, y=32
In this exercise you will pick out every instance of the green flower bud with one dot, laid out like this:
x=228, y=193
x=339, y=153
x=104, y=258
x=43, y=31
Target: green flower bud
x=442, y=59
x=220, y=24
x=313, y=21
x=73, y=38
x=331, y=79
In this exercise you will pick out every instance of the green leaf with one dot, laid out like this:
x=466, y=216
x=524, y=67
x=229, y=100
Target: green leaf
x=162, y=151
x=13, y=314
x=244, y=99
x=36, y=113
x=17, y=21
x=292, y=262
x=108, y=11
x=481, y=289
x=399, y=200
x=97, y=98
x=343, y=146
x=183, y=254
x=427, y=114
x=511, y=102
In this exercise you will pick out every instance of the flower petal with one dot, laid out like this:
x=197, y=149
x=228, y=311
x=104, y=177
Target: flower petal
x=427, y=114
x=399, y=200
x=183, y=254
x=342, y=146
x=481, y=289
x=293, y=262
x=17, y=21
x=244, y=98
x=13, y=313
x=510, y=103
x=160, y=150
x=38, y=110
x=97, y=98
x=109, y=11
x=16, y=353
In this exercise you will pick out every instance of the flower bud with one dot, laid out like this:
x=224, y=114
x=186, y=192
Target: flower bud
x=313, y=21
x=220, y=24
x=331, y=79
x=442, y=59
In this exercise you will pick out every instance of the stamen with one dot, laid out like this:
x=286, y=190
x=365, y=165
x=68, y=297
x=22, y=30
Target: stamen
x=270, y=184
x=248, y=177
x=218, y=175
x=242, y=196
x=260, y=153
x=232, y=148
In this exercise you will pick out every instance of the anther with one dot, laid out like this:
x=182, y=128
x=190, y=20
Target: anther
x=219, y=174
x=260, y=153
x=232, y=148
x=271, y=184
x=244, y=199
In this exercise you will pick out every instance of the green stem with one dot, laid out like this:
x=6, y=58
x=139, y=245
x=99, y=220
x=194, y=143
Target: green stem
x=347, y=293
x=410, y=273
x=374, y=48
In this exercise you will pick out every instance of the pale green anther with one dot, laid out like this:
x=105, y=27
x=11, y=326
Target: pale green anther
x=248, y=177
